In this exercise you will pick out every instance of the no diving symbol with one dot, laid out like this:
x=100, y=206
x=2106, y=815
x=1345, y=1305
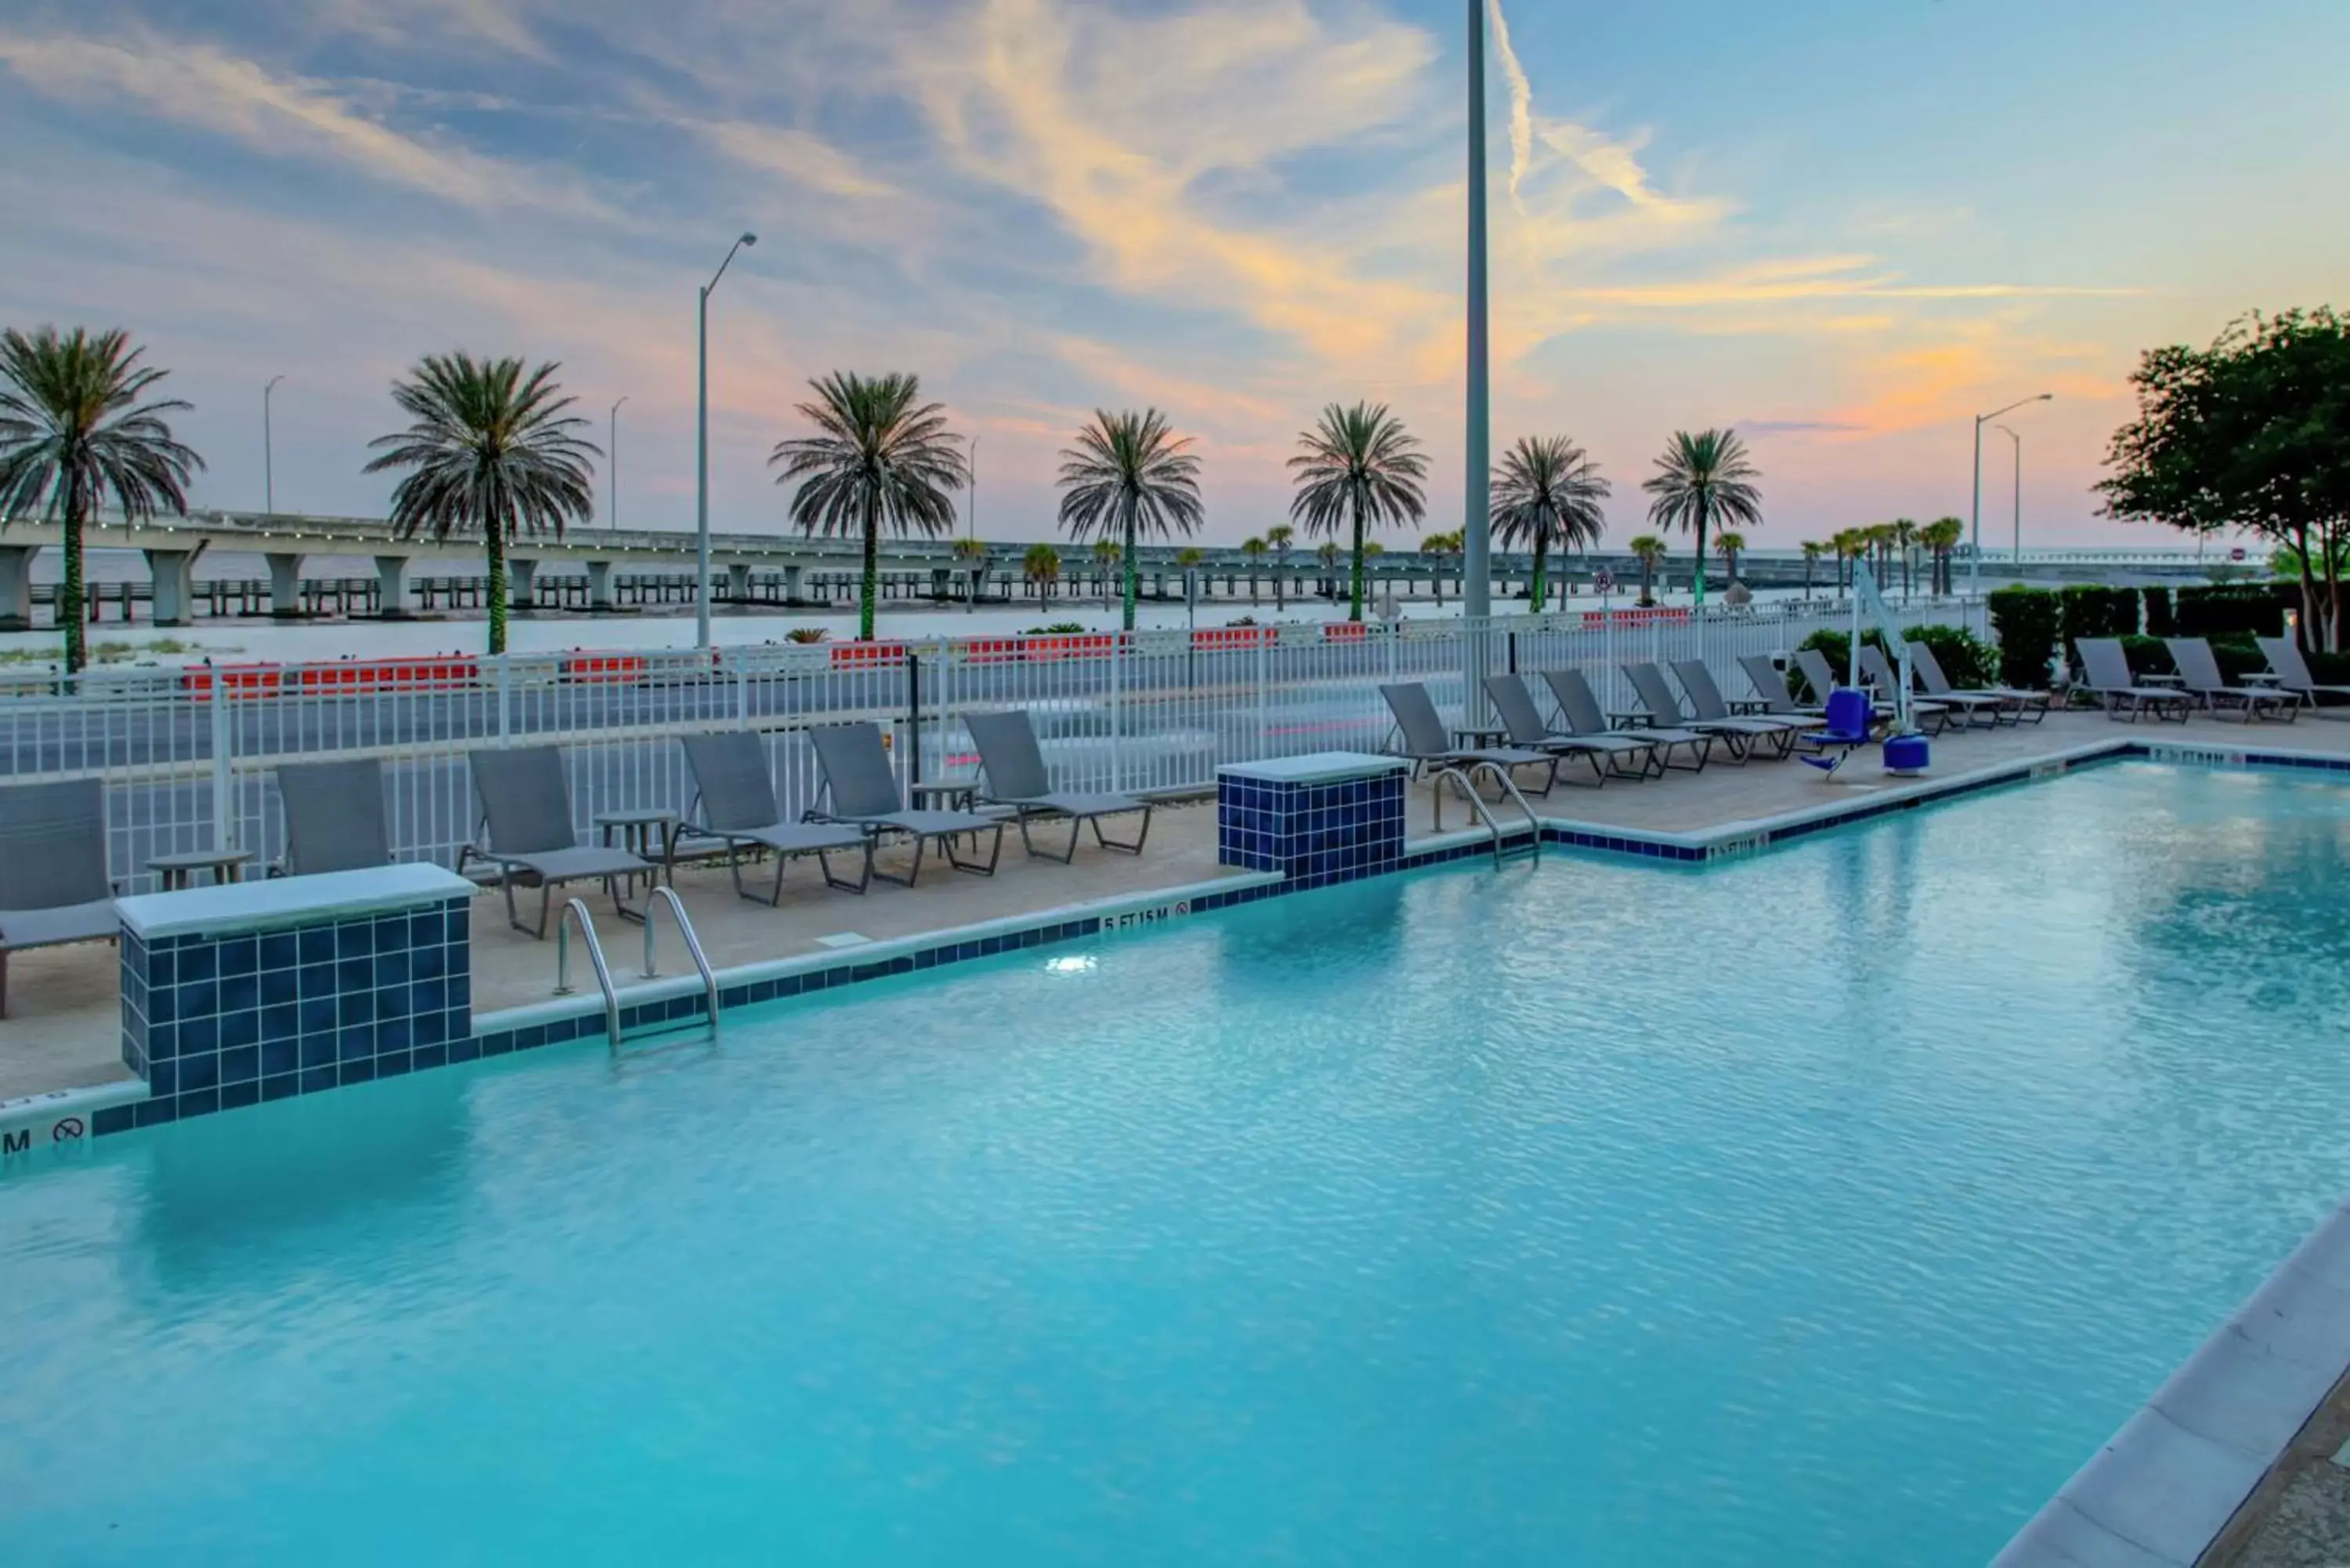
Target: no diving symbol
x=67, y=1128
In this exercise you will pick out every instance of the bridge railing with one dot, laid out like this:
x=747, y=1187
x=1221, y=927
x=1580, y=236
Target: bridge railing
x=189, y=754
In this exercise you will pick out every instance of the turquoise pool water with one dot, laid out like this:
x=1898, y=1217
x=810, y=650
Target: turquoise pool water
x=1825, y=1208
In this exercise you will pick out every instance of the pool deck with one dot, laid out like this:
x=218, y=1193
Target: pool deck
x=63, y=1032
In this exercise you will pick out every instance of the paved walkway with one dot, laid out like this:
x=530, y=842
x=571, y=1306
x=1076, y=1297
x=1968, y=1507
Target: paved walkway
x=63, y=1030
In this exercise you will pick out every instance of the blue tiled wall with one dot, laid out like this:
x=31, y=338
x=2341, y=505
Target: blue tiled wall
x=1312, y=833
x=213, y=1021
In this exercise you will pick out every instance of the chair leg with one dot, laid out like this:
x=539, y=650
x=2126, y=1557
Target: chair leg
x=865, y=877
x=1109, y=843
x=995, y=855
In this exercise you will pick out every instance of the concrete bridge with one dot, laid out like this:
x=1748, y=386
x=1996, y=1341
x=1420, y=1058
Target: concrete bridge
x=595, y=570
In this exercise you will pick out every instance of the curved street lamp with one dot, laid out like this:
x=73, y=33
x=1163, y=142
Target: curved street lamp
x=1974, y=529
x=702, y=454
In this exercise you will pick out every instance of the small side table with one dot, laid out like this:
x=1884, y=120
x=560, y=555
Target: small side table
x=646, y=834
x=1481, y=734
x=178, y=871
x=946, y=794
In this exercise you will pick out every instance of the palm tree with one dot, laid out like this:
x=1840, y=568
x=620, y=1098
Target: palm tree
x=1106, y=556
x=73, y=431
x=1253, y=552
x=1728, y=544
x=1547, y=492
x=1941, y=536
x=1437, y=546
x=1280, y=538
x=1704, y=480
x=882, y=459
x=1360, y=469
x=1650, y=552
x=973, y=554
x=1129, y=474
x=1329, y=556
x=1812, y=551
x=1042, y=566
x=492, y=449
x=1904, y=536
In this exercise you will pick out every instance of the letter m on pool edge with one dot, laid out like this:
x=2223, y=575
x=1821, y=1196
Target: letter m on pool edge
x=18, y=1142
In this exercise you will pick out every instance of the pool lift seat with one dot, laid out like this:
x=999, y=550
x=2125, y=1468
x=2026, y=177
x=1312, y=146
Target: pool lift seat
x=576, y=910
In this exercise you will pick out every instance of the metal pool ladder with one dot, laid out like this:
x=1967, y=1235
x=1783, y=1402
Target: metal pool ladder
x=576, y=909
x=1466, y=777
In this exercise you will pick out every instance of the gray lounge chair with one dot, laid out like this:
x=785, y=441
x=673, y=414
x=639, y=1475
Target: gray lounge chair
x=2016, y=705
x=1976, y=712
x=1663, y=709
x=1708, y=703
x=334, y=816
x=526, y=812
x=1819, y=674
x=1931, y=714
x=54, y=887
x=1770, y=685
x=1523, y=722
x=737, y=807
x=2199, y=670
x=1012, y=765
x=1579, y=711
x=1422, y=738
x=2105, y=674
x=860, y=788
x=2292, y=672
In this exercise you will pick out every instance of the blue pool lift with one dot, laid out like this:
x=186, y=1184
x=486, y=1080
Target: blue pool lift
x=1850, y=710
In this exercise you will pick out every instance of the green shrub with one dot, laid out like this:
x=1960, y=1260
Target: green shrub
x=1837, y=645
x=2161, y=617
x=2026, y=620
x=2234, y=609
x=2089, y=609
x=2328, y=669
x=1966, y=661
x=2148, y=656
x=2238, y=657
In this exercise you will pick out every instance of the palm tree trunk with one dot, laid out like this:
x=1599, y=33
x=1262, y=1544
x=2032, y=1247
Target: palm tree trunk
x=1542, y=584
x=1133, y=572
x=494, y=545
x=870, y=593
x=1698, y=581
x=69, y=592
x=1355, y=591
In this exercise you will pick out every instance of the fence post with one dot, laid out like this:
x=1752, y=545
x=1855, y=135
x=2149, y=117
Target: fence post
x=1118, y=714
x=1256, y=665
x=505, y=697
x=223, y=739
x=913, y=718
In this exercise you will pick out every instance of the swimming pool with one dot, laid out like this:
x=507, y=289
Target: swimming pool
x=1825, y=1207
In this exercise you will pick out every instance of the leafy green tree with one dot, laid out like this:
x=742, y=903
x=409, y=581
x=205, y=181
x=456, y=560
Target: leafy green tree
x=1129, y=474
x=492, y=451
x=1651, y=552
x=1547, y=495
x=882, y=459
x=1901, y=534
x=974, y=557
x=2251, y=433
x=1730, y=546
x=1358, y=469
x=1703, y=481
x=1280, y=538
x=1812, y=551
x=76, y=425
x=1253, y=552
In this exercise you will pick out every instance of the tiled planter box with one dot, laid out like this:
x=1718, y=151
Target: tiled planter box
x=1327, y=817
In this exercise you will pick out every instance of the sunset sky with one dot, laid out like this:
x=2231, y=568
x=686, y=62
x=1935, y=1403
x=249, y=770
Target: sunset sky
x=1843, y=225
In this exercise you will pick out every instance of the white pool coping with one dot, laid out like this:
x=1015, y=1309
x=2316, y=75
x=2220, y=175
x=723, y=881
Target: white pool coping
x=289, y=900
x=1317, y=767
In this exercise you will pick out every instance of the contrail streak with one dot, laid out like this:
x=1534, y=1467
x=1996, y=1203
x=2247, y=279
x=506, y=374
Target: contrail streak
x=1522, y=104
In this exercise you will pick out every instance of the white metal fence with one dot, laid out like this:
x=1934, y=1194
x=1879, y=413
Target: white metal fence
x=188, y=755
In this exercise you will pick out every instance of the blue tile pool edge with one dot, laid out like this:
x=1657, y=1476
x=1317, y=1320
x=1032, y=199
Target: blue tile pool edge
x=63, y=1119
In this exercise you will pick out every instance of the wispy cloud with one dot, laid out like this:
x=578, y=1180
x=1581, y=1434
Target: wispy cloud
x=1522, y=105
x=203, y=87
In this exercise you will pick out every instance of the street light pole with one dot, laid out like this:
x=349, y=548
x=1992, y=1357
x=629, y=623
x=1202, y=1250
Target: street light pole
x=1974, y=528
x=268, y=452
x=1476, y=588
x=2019, y=491
x=971, y=513
x=701, y=453
x=612, y=474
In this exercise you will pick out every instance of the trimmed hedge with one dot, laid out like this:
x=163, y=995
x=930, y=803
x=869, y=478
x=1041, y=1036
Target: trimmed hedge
x=1965, y=657
x=2087, y=610
x=2161, y=617
x=2026, y=620
x=2235, y=609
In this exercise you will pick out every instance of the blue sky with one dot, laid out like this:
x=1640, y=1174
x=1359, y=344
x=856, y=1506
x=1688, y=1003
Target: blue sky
x=1845, y=225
